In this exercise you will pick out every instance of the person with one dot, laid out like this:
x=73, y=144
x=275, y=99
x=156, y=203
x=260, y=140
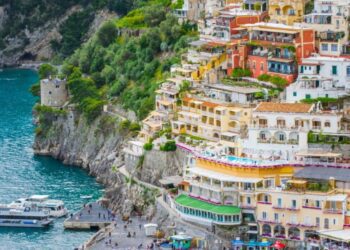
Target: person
x=110, y=234
x=88, y=211
x=140, y=246
x=104, y=216
x=134, y=234
x=110, y=241
x=99, y=215
x=129, y=235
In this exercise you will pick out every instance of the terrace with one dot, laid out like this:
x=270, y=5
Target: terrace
x=273, y=37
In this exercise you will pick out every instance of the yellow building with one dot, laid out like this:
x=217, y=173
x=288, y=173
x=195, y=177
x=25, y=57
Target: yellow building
x=311, y=202
x=211, y=119
x=287, y=12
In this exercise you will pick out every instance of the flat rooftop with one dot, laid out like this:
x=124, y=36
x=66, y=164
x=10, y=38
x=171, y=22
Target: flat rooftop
x=320, y=173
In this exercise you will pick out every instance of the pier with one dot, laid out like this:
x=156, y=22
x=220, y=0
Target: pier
x=91, y=216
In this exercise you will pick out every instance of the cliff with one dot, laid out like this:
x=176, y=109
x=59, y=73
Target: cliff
x=97, y=147
x=29, y=36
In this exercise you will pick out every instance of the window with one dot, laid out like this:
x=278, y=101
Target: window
x=266, y=198
x=281, y=137
x=294, y=93
x=279, y=202
x=327, y=124
x=294, y=203
x=253, y=64
x=318, y=204
x=348, y=71
x=276, y=217
x=264, y=215
x=261, y=66
x=334, y=70
x=334, y=221
x=334, y=47
x=307, y=96
x=324, y=47
x=326, y=223
x=248, y=200
x=318, y=221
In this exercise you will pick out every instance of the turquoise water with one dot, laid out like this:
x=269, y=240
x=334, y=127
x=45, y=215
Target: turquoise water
x=23, y=174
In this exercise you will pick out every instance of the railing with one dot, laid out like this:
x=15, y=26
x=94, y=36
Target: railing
x=292, y=208
x=271, y=38
x=286, y=72
x=311, y=207
x=333, y=211
x=265, y=202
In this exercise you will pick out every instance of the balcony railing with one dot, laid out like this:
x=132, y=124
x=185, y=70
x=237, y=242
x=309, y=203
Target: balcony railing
x=311, y=207
x=272, y=38
x=281, y=71
x=292, y=208
x=265, y=202
x=333, y=211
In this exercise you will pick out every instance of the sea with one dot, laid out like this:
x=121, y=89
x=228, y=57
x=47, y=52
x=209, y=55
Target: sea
x=23, y=174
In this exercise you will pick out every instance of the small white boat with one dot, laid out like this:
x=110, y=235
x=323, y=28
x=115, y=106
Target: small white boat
x=55, y=208
x=86, y=196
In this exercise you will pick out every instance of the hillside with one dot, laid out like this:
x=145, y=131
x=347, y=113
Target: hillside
x=48, y=29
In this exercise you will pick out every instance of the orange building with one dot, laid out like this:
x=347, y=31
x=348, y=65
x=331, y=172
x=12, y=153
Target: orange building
x=276, y=49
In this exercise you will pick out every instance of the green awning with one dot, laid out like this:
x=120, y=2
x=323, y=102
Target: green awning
x=186, y=201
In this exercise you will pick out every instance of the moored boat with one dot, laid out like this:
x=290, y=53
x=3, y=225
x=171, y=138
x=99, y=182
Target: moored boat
x=23, y=217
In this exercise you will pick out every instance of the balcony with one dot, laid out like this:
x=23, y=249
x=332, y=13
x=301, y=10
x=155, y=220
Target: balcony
x=266, y=221
x=278, y=207
x=311, y=207
x=293, y=224
x=293, y=208
x=307, y=225
x=281, y=71
x=273, y=38
x=259, y=52
x=333, y=211
x=331, y=36
x=265, y=202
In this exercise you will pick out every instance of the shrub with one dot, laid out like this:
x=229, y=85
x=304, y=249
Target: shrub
x=125, y=124
x=134, y=127
x=148, y=146
x=35, y=89
x=46, y=70
x=168, y=146
x=278, y=81
x=107, y=33
x=239, y=72
x=264, y=77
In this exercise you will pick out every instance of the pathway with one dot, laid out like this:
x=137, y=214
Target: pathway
x=92, y=215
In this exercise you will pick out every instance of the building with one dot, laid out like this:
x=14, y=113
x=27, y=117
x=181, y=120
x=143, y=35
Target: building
x=167, y=96
x=227, y=24
x=232, y=94
x=53, y=92
x=297, y=210
x=330, y=20
x=287, y=12
x=281, y=130
x=260, y=5
x=275, y=49
x=320, y=76
x=152, y=125
x=209, y=118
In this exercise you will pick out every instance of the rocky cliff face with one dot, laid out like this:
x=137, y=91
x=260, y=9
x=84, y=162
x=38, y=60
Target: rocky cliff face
x=35, y=45
x=97, y=148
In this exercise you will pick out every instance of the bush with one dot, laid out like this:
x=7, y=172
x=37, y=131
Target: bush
x=279, y=81
x=134, y=127
x=46, y=70
x=239, y=72
x=168, y=146
x=148, y=146
x=107, y=33
x=264, y=78
x=35, y=89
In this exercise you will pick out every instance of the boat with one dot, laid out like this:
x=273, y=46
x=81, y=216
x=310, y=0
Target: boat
x=23, y=217
x=86, y=196
x=55, y=208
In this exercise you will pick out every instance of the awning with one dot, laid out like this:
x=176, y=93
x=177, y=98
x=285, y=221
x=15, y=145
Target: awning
x=338, y=235
x=222, y=177
x=339, y=197
x=186, y=201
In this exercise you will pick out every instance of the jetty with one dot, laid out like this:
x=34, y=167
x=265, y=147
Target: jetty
x=91, y=216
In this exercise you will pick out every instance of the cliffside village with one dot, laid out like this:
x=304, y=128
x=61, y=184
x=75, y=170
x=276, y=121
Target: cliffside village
x=271, y=161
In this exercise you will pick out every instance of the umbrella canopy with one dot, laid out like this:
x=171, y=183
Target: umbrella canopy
x=279, y=245
x=252, y=243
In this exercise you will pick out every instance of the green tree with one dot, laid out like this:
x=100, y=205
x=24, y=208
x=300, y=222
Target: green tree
x=107, y=33
x=46, y=70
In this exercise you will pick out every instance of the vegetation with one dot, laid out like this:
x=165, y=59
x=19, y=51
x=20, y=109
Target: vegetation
x=126, y=66
x=45, y=70
x=239, y=72
x=276, y=80
x=148, y=146
x=323, y=100
x=320, y=138
x=168, y=146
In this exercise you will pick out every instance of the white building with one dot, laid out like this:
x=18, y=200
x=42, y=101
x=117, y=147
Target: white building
x=280, y=130
x=330, y=20
x=320, y=76
x=53, y=92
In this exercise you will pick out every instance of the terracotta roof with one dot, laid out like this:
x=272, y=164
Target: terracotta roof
x=187, y=99
x=284, y=107
x=210, y=104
